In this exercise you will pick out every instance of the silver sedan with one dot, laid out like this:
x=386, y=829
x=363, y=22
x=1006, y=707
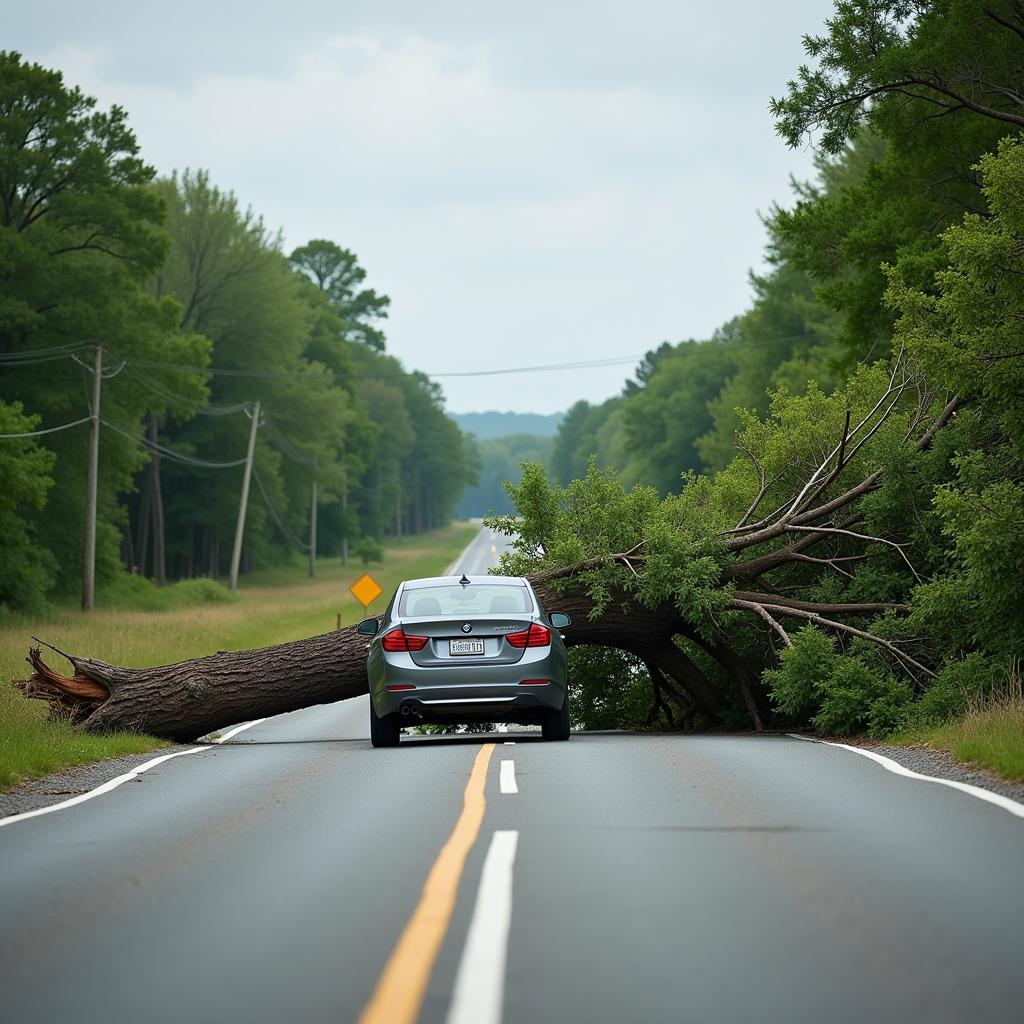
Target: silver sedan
x=470, y=649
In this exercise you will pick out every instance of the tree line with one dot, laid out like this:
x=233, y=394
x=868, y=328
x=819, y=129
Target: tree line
x=893, y=277
x=200, y=314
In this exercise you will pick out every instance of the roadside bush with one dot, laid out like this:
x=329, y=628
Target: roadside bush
x=957, y=686
x=797, y=683
x=142, y=594
x=846, y=693
x=891, y=709
x=368, y=550
x=131, y=591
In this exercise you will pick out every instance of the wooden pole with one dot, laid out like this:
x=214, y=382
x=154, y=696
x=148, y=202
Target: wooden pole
x=92, y=484
x=236, y=552
x=344, y=520
x=312, y=532
x=159, y=545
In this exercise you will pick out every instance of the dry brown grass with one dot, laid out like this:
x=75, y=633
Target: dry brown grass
x=989, y=734
x=274, y=607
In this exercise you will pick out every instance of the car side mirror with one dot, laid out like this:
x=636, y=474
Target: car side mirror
x=560, y=620
x=368, y=627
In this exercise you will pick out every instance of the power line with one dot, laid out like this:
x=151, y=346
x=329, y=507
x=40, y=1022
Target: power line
x=49, y=430
x=219, y=371
x=187, y=460
x=172, y=396
x=274, y=513
x=47, y=355
x=288, y=449
x=42, y=355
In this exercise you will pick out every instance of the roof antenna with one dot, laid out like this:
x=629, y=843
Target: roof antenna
x=464, y=582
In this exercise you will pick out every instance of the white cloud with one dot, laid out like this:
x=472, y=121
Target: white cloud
x=513, y=219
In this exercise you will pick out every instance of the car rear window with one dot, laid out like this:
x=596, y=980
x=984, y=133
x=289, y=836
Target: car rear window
x=474, y=599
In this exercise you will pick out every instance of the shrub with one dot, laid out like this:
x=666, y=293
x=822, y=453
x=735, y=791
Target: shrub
x=368, y=550
x=957, y=686
x=131, y=591
x=797, y=683
x=142, y=594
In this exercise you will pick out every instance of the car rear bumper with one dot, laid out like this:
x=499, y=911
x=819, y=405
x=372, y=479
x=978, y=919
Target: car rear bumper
x=468, y=703
x=462, y=692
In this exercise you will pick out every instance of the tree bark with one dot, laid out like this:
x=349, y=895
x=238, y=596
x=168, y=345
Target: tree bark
x=192, y=698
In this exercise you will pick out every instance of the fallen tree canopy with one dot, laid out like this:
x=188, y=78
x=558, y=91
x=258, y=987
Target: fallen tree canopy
x=703, y=588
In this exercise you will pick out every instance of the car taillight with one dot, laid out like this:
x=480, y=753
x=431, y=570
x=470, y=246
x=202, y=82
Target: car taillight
x=530, y=682
x=535, y=636
x=398, y=640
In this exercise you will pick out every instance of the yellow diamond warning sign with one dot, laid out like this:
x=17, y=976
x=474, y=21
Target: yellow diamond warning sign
x=365, y=590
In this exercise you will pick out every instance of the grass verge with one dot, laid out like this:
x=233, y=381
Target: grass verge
x=274, y=606
x=990, y=734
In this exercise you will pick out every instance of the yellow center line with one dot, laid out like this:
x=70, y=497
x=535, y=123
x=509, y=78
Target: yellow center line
x=403, y=982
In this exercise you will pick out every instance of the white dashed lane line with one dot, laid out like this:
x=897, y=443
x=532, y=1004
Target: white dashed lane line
x=480, y=982
x=507, y=778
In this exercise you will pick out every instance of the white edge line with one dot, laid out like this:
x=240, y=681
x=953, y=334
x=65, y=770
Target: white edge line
x=237, y=729
x=508, y=777
x=897, y=769
x=480, y=981
x=105, y=788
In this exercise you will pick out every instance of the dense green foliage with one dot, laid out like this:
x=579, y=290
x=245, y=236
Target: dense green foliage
x=894, y=278
x=200, y=315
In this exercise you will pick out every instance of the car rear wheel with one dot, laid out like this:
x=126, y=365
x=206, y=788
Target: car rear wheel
x=555, y=724
x=384, y=731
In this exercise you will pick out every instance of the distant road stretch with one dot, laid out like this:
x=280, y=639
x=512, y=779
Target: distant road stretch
x=614, y=878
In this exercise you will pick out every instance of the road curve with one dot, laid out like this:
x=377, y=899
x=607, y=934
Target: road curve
x=651, y=878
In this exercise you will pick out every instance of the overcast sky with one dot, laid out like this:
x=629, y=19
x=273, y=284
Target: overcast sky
x=531, y=183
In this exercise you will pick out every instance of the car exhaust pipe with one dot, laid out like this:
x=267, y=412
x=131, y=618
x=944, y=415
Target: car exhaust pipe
x=405, y=710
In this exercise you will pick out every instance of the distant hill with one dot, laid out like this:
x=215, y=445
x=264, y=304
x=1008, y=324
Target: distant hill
x=488, y=425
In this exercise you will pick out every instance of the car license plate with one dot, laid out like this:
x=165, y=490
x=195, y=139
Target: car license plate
x=465, y=647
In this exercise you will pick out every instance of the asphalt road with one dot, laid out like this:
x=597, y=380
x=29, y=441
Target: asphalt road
x=637, y=878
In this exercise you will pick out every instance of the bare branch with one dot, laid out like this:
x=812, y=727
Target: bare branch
x=840, y=608
x=760, y=609
x=860, y=536
x=841, y=627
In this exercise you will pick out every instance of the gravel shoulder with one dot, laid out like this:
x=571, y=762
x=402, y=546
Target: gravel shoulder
x=943, y=765
x=32, y=794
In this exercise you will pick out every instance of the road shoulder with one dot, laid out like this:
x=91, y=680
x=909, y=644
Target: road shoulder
x=32, y=794
x=940, y=764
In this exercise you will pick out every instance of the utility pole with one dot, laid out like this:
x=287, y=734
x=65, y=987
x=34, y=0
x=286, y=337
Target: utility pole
x=236, y=553
x=89, y=562
x=312, y=529
x=344, y=518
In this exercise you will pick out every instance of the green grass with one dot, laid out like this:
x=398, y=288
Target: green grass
x=990, y=734
x=138, y=626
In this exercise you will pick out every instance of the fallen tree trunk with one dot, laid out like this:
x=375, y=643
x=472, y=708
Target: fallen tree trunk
x=191, y=698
